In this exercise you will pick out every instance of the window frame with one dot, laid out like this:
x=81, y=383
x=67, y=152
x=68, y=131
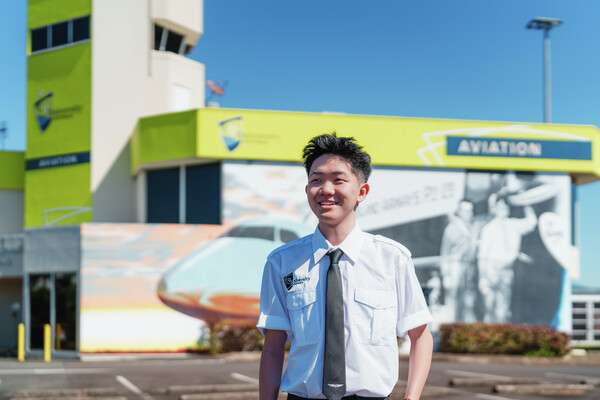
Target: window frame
x=184, y=47
x=70, y=35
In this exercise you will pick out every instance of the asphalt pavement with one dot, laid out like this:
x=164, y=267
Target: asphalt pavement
x=235, y=376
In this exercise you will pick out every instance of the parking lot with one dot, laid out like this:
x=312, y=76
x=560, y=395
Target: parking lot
x=236, y=377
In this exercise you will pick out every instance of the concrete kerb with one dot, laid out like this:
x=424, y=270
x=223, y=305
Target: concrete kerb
x=205, y=389
x=544, y=389
x=430, y=392
x=478, y=382
x=580, y=379
x=253, y=395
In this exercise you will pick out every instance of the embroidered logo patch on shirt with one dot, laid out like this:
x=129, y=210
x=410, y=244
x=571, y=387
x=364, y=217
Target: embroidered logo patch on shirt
x=290, y=281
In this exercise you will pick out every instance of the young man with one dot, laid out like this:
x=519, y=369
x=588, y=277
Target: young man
x=341, y=295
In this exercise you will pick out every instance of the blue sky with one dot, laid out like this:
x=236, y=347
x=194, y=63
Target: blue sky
x=454, y=59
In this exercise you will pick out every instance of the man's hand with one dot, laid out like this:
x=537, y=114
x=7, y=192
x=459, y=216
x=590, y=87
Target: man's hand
x=271, y=364
x=421, y=349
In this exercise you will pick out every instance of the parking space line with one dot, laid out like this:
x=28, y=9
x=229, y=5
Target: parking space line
x=131, y=387
x=474, y=374
x=244, y=378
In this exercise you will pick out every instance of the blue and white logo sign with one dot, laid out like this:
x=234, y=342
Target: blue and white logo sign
x=43, y=107
x=231, y=132
x=521, y=148
x=45, y=113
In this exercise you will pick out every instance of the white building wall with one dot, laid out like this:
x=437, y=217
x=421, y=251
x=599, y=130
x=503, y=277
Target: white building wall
x=11, y=211
x=131, y=80
x=121, y=41
x=177, y=83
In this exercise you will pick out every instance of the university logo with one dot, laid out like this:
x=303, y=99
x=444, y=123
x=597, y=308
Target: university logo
x=45, y=113
x=231, y=132
x=290, y=281
x=43, y=107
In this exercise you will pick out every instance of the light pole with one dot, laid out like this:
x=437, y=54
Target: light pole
x=546, y=24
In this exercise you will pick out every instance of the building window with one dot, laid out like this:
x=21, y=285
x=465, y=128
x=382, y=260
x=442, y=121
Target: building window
x=162, y=196
x=81, y=29
x=174, y=41
x=158, y=33
x=187, y=194
x=60, y=34
x=39, y=39
x=203, y=194
x=167, y=40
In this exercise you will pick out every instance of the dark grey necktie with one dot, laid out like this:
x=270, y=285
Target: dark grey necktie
x=334, y=363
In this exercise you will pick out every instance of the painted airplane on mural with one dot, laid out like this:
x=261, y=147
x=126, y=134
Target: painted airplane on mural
x=220, y=281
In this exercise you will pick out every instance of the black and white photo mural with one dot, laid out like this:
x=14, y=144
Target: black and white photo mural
x=487, y=246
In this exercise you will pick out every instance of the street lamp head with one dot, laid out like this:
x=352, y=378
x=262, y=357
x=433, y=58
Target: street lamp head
x=543, y=23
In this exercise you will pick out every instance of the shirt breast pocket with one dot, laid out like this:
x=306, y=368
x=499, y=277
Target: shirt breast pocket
x=304, y=315
x=377, y=316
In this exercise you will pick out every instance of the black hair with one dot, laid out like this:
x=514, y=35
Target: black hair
x=345, y=147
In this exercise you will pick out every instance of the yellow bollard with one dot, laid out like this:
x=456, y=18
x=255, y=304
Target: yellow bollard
x=47, y=343
x=58, y=336
x=21, y=343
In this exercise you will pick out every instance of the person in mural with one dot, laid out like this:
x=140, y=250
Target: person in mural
x=458, y=267
x=340, y=295
x=499, y=248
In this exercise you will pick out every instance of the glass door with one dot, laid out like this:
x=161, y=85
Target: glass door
x=39, y=294
x=53, y=301
x=65, y=290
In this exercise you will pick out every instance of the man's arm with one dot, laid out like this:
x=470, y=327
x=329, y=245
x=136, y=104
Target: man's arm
x=529, y=222
x=421, y=348
x=271, y=364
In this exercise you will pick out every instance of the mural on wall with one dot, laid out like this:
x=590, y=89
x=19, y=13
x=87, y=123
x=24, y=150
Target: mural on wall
x=487, y=246
x=164, y=283
x=121, y=267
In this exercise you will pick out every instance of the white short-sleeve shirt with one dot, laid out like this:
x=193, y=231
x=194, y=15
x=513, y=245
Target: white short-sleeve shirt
x=382, y=300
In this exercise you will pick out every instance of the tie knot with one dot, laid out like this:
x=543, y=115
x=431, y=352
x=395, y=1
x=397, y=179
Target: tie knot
x=335, y=255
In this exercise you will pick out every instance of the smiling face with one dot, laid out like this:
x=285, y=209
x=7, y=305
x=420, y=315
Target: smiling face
x=334, y=191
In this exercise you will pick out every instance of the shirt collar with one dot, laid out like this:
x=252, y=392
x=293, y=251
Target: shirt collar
x=351, y=246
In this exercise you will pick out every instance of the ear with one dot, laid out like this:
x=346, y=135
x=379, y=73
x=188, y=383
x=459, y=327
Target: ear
x=363, y=191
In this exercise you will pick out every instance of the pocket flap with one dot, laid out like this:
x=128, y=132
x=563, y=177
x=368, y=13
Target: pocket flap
x=374, y=298
x=298, y=300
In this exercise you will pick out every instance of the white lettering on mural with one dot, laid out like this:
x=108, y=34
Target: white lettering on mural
x=424, y=195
